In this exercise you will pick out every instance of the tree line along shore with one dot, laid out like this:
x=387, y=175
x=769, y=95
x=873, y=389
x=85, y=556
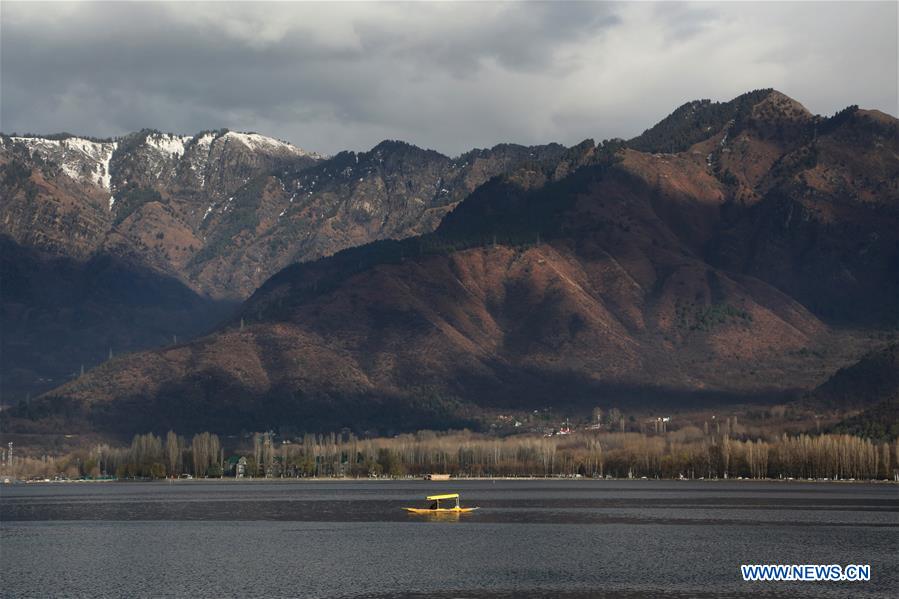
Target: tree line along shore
x=688, y=453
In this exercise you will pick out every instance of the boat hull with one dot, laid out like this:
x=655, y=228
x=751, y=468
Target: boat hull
x=452, y=510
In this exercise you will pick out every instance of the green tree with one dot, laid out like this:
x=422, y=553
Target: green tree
x=390, y=463
x=157, y=470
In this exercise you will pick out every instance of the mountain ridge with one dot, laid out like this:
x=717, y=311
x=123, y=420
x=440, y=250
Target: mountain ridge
x=210, y=211
x=593, y=274
x=138, y=188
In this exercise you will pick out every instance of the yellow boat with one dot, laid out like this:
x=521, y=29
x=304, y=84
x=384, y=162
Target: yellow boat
x=436, y=507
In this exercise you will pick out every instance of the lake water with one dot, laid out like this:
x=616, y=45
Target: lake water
x=567, y=538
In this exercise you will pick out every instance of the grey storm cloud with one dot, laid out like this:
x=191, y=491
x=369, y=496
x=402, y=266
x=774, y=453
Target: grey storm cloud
x=449, y=76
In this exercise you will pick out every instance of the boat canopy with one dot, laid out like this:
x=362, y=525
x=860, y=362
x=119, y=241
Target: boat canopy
x=439, y=497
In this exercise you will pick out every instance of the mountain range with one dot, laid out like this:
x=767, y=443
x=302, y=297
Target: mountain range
x=115, y=245
x=741, y=251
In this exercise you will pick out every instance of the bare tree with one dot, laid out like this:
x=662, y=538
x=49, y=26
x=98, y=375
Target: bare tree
x=173, y=449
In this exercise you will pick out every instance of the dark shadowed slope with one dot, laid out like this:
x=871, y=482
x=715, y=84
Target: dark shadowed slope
x=871, y=384
x=60, y=316
x=871, y=380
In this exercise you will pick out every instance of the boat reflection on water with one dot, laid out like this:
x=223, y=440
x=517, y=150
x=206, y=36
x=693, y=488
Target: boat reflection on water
x=439, y=516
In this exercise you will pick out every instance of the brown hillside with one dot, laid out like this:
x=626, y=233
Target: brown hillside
x=594, y=276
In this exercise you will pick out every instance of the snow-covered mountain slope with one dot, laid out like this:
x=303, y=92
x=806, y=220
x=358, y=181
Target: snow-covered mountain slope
x=138, y=195
x=165, y=155
x=81, y=159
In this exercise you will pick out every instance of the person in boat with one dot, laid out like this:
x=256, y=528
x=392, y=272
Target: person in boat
x=433, y=506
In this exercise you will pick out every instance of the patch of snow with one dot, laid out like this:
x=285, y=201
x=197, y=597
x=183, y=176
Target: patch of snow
x=111, y=202
x=205, y=139
x=168, y=144
x=36, y=142
x=70, y=170
x=106, y=177
x=80, y=159
x=257, y=142
x=198, y=156
x=79, y=144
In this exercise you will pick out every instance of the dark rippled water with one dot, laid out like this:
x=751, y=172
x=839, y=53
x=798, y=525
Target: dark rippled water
x=573, y=539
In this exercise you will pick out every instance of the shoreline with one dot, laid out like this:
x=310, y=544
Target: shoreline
x=313, y=480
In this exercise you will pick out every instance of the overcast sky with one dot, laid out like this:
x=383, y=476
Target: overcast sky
x=448, y=76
